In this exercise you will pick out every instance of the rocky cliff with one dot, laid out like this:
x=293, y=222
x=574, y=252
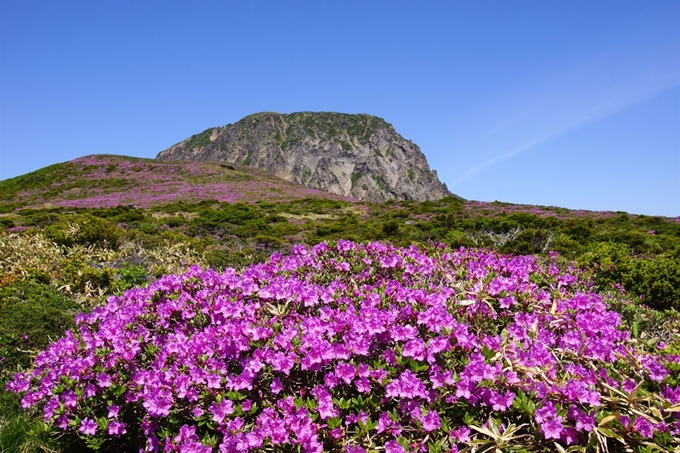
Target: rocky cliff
x=360, y=156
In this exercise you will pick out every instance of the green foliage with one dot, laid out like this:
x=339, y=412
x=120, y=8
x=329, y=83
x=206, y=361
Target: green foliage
x=6, y=222
x=649, y=325
x=411, y=174
x=655, y=279
x=238, y=259
x=236, y=214
x=218, y=259
x=81, y=276
x=380, y=182
x=129, y=276
x=248, y=159
x=199, y=140
x=84, y=230
x=252, y=228
x=39, y=179
x=389, y=229
x=31, y=315
x=331, y=126
x=356, y=176
x=24, y=434
x=658, y=280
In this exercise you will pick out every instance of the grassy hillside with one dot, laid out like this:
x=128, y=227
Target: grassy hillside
x=105, y=181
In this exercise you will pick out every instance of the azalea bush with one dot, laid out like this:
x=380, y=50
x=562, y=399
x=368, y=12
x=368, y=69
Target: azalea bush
x=360, y=348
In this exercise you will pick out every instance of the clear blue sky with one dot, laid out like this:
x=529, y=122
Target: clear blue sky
x=565, y=103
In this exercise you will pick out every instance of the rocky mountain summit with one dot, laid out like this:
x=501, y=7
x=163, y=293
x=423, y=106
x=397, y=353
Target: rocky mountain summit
x=359, y=156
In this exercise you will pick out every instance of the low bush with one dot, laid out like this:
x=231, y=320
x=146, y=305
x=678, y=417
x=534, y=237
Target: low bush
x=655, y=279
x=129, y=276
x=31, y=315
x=84, y=230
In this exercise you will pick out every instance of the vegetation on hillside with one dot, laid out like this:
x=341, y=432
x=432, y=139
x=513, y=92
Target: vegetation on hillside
x=110, y=181
x=58, y=261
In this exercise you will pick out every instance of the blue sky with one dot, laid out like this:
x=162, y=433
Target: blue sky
x=560, y=103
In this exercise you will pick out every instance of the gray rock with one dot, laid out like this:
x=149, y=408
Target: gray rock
x=359, y=156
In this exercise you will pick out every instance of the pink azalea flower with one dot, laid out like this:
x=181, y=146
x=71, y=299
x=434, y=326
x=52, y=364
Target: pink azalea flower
x=552, y=429
x=88, y=427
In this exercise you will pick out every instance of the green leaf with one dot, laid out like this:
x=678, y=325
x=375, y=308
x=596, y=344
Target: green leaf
x=102, y=422
x=334, y=422
x=209, y=440
x=369, y=424
x=434, y=447
x=94, y=443
x=610, y=433
x=488, y=353
x=342, y=403
x=235, y=396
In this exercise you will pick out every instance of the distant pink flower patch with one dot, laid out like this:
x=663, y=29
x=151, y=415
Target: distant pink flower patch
x=17, y=229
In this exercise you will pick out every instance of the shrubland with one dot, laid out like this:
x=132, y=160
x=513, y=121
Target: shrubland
x=58, y=262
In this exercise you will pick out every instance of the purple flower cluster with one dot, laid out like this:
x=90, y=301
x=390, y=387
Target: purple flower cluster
x=351, y=347
x=491, y=208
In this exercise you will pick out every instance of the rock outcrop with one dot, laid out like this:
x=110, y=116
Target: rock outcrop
x=360, y=156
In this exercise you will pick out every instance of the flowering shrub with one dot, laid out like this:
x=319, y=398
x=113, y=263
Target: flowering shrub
x=358, y=348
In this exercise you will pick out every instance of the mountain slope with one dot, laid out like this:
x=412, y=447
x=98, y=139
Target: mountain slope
x=360, y=156
x=99, y=181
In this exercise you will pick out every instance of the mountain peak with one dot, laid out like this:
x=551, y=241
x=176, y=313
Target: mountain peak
x=355, y=155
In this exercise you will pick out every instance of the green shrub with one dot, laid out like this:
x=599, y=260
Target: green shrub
x=82, y=277
x=129, y=276
x=133, y=215
x=217, y=259
x=238, y=259
x=31, y=314
x=6, y=222
x=252, y=228
x=656, y=279
x=389, y=229
x=235, y=214
x=267, y=241
x=84, y=230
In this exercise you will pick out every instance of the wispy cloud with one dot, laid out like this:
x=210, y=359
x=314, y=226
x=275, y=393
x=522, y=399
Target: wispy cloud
x=602, y=96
